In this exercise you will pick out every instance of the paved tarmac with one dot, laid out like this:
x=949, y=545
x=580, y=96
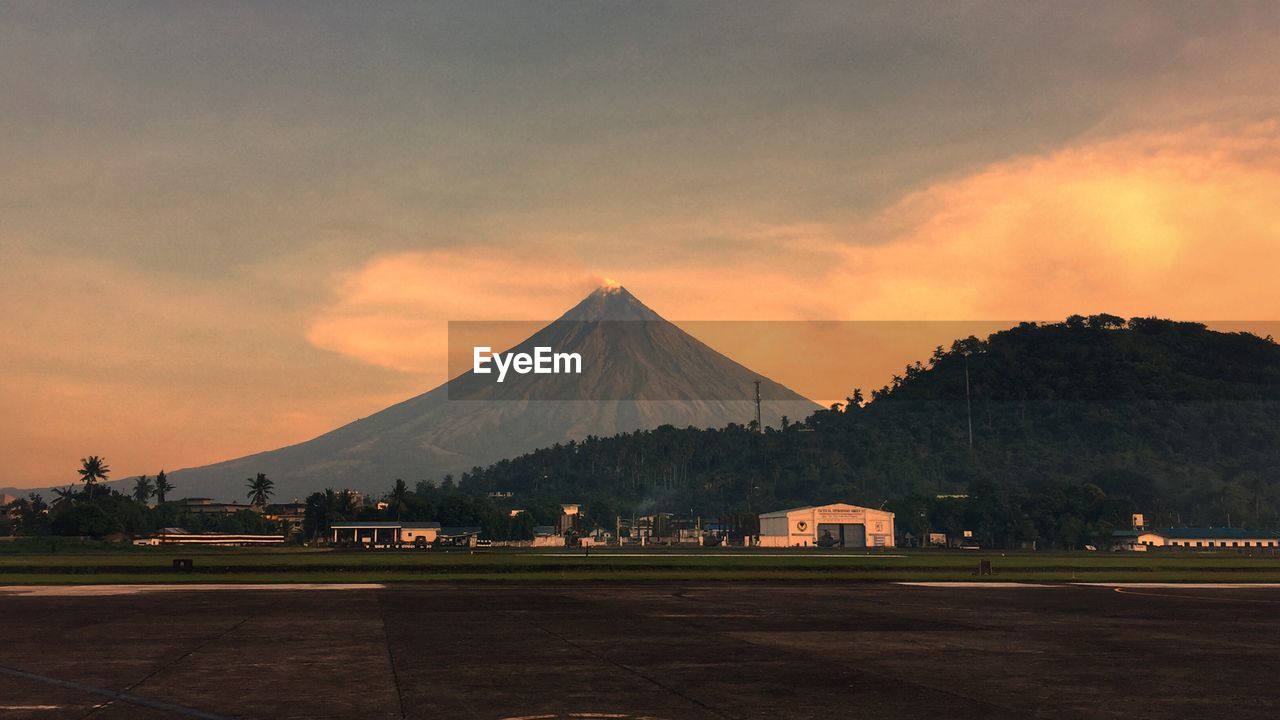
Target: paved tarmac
x=651, y=651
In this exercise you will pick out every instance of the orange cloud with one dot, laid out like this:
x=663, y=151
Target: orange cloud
x=156, y=372
x=393, y=311
x=1183, y=224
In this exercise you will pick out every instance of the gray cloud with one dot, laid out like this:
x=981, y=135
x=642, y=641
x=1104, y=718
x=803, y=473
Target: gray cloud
x=228, y=133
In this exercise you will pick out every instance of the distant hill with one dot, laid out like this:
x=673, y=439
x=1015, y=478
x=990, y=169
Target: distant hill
x=1089, y=419
x=1165, y=412
x=640, y=371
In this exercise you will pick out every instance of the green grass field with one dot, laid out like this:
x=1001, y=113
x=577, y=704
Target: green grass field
x=34, y=562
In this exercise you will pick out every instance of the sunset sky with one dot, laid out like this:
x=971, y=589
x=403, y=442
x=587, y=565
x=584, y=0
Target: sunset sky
x=227, y=227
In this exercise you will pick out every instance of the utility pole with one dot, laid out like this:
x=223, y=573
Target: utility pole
x=759, y=424
x=968, y=402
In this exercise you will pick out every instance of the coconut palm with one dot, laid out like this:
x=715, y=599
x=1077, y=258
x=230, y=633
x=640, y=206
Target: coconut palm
x=143, y=489
x=322, y=510
x=346, y=504
x=65, y=495
x=398, y=497
x=260, y=489
x=93, y=469
x=163, y=486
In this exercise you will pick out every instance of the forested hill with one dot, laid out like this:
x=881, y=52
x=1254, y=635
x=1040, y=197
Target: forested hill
x=1074, y=426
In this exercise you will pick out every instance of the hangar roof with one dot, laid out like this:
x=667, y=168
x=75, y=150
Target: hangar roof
x=365, y=524
x=411, y=524
x=788, y=511
x=1214, y=533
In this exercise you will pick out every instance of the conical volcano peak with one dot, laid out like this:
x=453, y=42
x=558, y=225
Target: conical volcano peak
x=610, y=301
x=633, y=375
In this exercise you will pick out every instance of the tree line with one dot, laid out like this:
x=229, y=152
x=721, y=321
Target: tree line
x=444, y=502
x=1056, y=432
x=92, y=509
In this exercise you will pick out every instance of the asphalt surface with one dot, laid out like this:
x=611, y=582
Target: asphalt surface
x=657, y=651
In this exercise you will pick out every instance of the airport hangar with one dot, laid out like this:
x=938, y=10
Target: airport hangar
x=838, y=525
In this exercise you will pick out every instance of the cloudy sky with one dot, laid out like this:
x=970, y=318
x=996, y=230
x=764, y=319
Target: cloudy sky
x=225, y=227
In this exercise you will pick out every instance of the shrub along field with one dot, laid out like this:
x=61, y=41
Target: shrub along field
x=36, y=562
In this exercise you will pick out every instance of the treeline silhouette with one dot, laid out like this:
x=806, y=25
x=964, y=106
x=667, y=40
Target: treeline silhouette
x=1044, y=434
x=95, y=510
x=442, y=502
x=100, y=512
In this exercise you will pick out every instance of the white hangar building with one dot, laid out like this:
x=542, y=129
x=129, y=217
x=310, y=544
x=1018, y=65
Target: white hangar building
x=837, y=525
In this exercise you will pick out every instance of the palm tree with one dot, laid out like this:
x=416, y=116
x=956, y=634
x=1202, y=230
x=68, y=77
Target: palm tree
x=163, y=486
x=143, y=489
x=260, y=489
x=93, y=469
x=346, y=504
x=399, y=496
x=65, y=495
x=329, y=507
x=322, y=511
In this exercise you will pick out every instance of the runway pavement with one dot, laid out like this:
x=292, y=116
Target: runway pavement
x=656, y=651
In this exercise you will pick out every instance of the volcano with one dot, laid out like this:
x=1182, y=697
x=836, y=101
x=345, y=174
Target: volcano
x=639, y=371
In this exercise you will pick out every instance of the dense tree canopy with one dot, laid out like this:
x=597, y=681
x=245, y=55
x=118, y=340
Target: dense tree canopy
x=444, y=503
x=97, y=511
x=109, y=513
x=1075, y=425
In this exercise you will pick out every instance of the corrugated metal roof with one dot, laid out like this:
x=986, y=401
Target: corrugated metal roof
x=779, y=513
x=365, y=524
x=1214, y=533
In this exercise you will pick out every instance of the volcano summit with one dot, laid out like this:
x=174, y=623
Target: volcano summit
x=638, y=372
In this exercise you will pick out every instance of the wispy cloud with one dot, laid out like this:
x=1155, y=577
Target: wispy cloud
x=1179, y=223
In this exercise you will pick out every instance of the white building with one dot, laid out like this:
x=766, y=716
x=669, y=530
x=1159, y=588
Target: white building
x=836, y=525
x=179, y=536
x=1141, y=540
x=385, y=533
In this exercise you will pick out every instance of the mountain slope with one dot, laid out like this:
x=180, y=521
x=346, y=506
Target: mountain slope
x=639, y=371
x=1075, y=425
